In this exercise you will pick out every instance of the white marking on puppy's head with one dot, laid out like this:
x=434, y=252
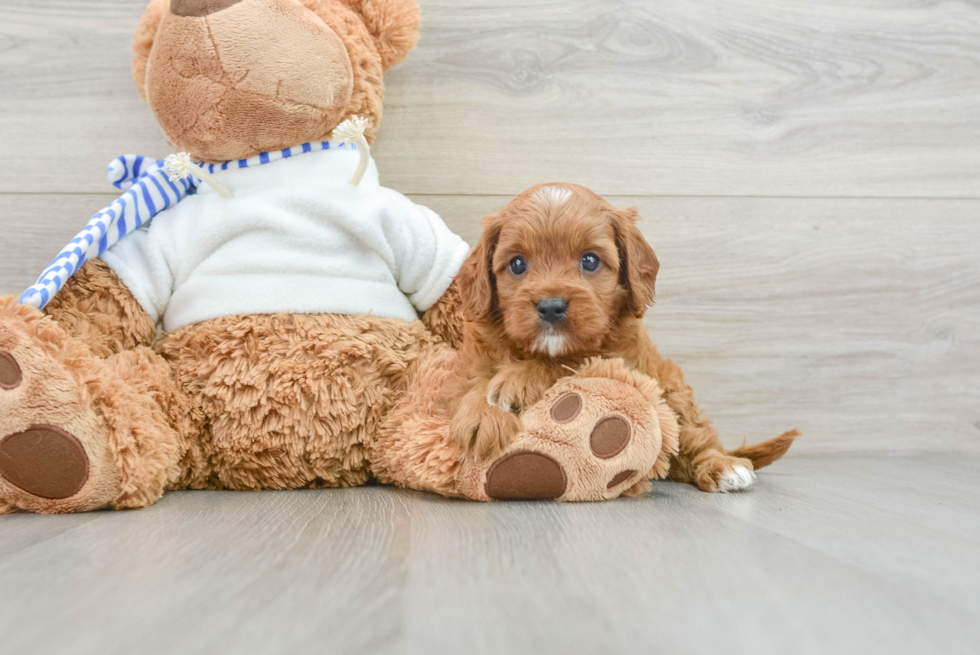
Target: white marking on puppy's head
x=552, y=196
x=551, y=344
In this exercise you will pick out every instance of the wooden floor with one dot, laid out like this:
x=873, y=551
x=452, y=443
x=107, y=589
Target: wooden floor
x=828, y=554
x=809, y=174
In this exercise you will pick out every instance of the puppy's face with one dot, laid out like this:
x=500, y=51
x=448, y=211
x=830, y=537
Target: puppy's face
x=557, y=270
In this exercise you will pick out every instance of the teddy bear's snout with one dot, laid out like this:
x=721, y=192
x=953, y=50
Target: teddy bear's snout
x=199, y=8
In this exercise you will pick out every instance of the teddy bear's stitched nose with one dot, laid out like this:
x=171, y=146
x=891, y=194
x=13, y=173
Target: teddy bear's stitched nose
x=199, y=7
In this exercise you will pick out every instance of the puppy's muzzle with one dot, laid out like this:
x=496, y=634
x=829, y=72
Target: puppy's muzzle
x=552, y=310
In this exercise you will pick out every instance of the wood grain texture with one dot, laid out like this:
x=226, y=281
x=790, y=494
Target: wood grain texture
x=856, y=320
x=745, y=97
x=828, y=554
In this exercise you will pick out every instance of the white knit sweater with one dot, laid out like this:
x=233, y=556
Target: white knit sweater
x=297, y=237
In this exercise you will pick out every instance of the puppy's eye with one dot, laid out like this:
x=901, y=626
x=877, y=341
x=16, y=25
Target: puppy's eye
x=518, y=265
x=590, y=262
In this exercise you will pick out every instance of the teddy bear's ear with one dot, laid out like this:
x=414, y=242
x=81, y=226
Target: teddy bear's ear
x=143, y=41
x=394, y=24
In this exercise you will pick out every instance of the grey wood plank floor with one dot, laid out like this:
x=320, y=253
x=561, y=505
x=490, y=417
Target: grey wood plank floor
x=841, y=554
x=809, y=174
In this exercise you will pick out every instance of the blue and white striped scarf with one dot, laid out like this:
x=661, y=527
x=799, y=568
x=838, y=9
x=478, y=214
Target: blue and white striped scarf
x=149, y=191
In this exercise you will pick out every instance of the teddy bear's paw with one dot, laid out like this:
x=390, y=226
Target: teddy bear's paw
x=528, y=474
x=589, y=438
x=53, y=457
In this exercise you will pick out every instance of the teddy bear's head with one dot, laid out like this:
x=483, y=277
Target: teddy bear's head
x=229, y=79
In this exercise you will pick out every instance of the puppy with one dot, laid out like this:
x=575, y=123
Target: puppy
x=558, y=276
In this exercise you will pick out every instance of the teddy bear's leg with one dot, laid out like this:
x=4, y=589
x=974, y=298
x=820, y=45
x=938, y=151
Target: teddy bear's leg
x=79, y=432
x=602, y=433
x=291, y=400
x=96, y=308
x=412, y=448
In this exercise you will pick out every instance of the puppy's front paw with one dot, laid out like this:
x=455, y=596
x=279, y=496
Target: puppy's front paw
x=514, y=393
x=463, y=429
x=487, y=432
x=497, y=429
x=504, y=393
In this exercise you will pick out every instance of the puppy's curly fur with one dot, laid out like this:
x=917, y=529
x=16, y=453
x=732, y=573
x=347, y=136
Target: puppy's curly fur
x=566, y=244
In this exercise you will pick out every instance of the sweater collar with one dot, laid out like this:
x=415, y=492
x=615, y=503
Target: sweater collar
x=124, y=170
x=276, y=155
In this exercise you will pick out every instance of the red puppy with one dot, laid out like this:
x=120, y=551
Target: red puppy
x=560, y=275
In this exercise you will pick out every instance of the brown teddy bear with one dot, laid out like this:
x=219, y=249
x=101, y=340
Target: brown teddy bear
x=292, y=354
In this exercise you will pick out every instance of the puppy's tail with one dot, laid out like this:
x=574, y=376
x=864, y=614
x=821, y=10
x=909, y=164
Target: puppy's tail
x=767, y=452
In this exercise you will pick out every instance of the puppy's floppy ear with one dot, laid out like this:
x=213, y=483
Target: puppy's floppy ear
x=638, y=263
x=477, y=282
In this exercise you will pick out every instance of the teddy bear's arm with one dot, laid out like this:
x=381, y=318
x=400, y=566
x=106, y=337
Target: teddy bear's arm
x=445, y=318
x=99, y=309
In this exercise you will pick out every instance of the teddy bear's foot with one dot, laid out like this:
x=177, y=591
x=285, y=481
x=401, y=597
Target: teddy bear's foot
x=594, y=436
x=53, y=449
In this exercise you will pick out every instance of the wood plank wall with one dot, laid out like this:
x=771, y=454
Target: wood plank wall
x=808, y=172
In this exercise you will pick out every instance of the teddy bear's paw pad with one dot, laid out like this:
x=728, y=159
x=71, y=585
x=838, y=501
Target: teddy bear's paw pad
x=10, y=373
x=567, y=408
x=610, y=436
x=622, y=477
x=44, y=461
x=526, y=475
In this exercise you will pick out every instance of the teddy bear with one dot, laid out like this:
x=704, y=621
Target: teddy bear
x=258, y=312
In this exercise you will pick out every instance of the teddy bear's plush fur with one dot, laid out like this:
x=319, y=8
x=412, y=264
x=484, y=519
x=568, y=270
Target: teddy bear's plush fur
x=265, y=73
x=98, y=410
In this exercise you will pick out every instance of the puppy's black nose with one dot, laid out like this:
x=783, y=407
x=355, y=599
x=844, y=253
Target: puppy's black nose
x=552, y=309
